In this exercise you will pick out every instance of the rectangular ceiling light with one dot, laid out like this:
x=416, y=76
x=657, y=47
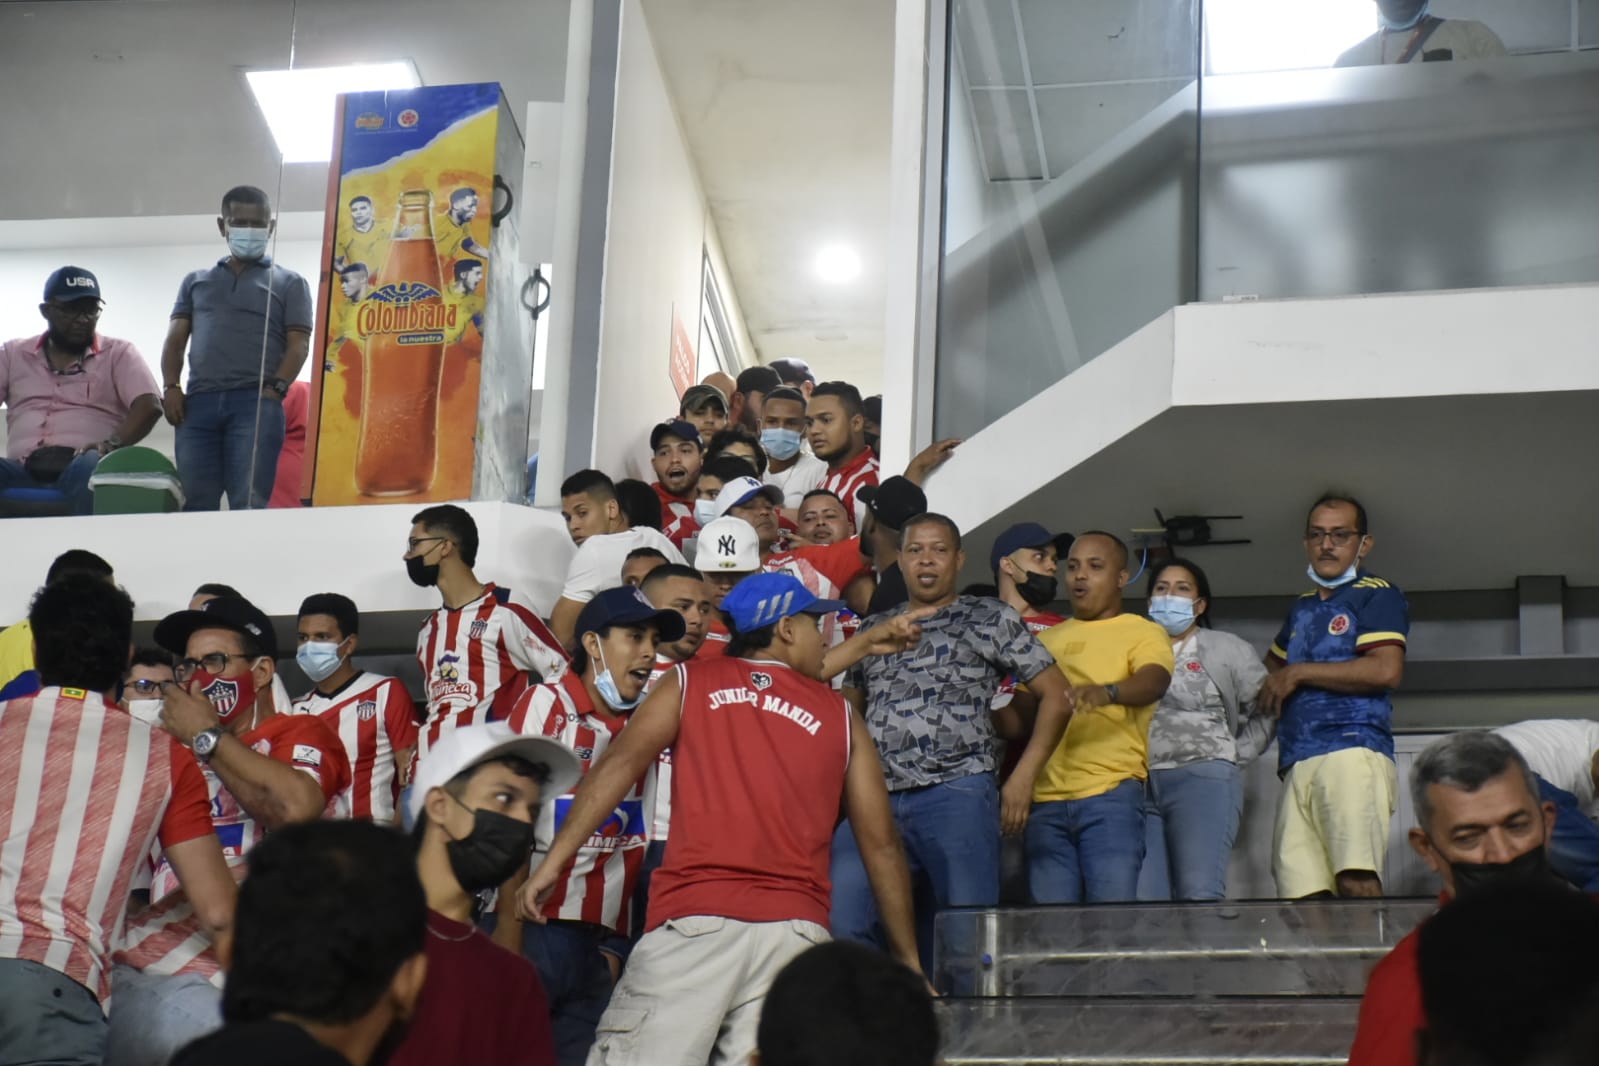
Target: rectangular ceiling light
x=298, y=104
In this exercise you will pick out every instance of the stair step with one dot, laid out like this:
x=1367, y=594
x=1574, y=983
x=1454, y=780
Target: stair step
x=1150, y=1032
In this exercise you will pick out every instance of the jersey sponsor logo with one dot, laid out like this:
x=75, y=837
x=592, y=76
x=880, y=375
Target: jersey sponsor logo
x=223, y=694
x=760, y=680
x=478, y=628
x=584, y=754
x=308, y=756
x=447, y=683
x=1339, y=625
x=448, y=668
x=625, y=828
x=366, y=710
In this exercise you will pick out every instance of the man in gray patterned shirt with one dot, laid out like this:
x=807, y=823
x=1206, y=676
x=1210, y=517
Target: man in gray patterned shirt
x=928, y=711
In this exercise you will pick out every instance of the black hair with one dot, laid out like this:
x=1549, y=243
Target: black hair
x=461, y=194
x=357, y=199
x=845, y=1004
x=1336, y=498
x=669, y=571
x=872, y=408
x=341, y=608
x=245, y=196
x=725, y=468
x=979, y=589
x=1121, y=545
x=787, y=392
x=740, y=435
x=741, y=645
x=77, y=561
x=351, y=268
x=594, y=483
x=645, y=553
x=212, y=588
x=821, y=492
x=456, y=786
x=761, y=379
x=580, y=655
x=329, y=913
x=639, y=503
x=849, y=397
x=453, y=522
x=463, y=267
x=931, y=518
x=152, y=656
x=82, y=626
x=1201, y=582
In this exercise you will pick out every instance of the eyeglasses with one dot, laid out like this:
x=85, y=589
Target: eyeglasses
x=413, y=543
x=1339, y=537
x=145, y=687
x=88, y=314
x=214, y=663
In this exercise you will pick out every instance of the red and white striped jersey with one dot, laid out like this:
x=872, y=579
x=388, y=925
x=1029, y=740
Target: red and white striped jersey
x=1036, y=623
x=85, y=791
x=476, y=660
x=825, y=570
x=677, y=516
x=168, y=939
x=375, y=719
x=846, y=481
x=600, y=879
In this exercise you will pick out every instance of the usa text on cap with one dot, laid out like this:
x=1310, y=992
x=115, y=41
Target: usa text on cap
x=71, y=283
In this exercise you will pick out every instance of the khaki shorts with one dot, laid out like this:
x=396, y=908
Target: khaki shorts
x=1333, y=817
x=692, y=990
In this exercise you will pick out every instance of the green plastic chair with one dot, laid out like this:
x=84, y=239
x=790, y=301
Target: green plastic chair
x=136, y=481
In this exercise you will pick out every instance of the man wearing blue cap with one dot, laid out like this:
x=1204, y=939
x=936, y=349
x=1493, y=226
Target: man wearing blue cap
x=72, y=394
x=585, y=930
x=677, y=455
x=764, y=754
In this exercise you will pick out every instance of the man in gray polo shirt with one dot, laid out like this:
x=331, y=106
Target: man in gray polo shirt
x=246, y=324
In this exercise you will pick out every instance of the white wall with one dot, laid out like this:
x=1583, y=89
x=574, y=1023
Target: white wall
x=657, y=231
x=140, y=263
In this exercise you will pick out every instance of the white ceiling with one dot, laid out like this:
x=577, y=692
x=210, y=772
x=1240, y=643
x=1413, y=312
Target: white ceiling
x=786, y=108
x=139, y=107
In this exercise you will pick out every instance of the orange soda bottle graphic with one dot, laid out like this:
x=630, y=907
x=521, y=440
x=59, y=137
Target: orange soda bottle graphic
x=405, y=321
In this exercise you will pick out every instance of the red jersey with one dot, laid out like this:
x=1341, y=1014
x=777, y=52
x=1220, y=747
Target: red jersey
x=375, y=719
x=1036, y=624
x=757, y=778
x=825, y=570
x=677, y=516
x=599, y=881
x=847, y=480
x=476, y=660
x=85, y=790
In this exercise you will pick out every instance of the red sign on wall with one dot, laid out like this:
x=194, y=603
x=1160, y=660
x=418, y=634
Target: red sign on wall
x=681, y=363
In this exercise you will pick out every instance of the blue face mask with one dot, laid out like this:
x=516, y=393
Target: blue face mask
x=1174, y=613
x=606, y=683
x=1400, y=15
x=1338, y=582
x=781, y=443
x=704, y=511
x=248, y=242
x=319, y=659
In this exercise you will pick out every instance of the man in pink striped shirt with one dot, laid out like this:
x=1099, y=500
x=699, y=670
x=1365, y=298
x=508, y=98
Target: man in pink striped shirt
x=85, y=790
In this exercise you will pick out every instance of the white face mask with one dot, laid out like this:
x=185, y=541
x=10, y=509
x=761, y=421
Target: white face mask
x=146, y=711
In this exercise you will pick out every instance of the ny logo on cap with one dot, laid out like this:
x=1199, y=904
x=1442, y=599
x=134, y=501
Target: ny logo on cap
x=724, y=546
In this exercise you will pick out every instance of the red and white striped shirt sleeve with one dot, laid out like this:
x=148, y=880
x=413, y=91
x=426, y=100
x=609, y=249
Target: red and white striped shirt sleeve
x=188, y=813
x=529, y=642
x=399, y=716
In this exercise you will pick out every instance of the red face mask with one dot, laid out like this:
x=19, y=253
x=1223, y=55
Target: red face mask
x=229, y=695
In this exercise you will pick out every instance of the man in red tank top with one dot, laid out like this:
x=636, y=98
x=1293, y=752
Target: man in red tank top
x=764, y=756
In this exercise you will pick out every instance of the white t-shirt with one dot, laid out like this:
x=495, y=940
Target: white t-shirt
x=1561, y=752
x=597, y=566
x=1462, y=37
x=806, y=474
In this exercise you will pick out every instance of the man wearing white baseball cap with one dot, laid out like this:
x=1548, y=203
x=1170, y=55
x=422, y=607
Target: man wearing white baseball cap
x=756, y=503
x=475, y=799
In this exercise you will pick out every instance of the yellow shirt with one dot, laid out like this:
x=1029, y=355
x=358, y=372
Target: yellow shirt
x=1103, y=746
x=371, y=248
x=17, y=677
x=451, y=236
x=467, y=306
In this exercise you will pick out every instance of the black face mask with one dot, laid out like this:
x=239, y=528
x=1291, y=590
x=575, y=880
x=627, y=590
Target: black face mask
x=421, y=573
x=495, y=849
x=1038, y=590
x=1529, y=869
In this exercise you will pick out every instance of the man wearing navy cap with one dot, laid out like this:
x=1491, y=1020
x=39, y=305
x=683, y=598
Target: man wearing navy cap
x=677, y=455
x=72, y=394
x=763, y=755
x=889, y=506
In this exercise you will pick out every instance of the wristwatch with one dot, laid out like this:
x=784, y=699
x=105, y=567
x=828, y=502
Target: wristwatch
x=1113, y=694
x=278, y=385
x=205, y=743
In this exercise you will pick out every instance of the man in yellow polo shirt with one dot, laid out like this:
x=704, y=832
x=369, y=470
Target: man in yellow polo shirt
x=1085, y=838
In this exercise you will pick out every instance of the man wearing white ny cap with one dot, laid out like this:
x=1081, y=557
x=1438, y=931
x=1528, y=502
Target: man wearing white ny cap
x=729, y=551
x=475, y=799
x=756, y=503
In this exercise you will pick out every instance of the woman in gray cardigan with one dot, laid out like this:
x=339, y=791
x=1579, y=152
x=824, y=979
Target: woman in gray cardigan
x=1204, y=730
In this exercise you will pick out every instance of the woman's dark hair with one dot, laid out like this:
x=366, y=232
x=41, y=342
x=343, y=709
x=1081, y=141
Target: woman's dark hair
x=82, y=626
x=1201, y=583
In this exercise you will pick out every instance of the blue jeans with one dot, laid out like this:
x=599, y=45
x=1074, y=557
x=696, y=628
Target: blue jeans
x=220, y=433
x=153, y=1017
x=577, y=980
x=72, y=484
x=1191, y=816
x=951, y=836
x=46, y=1017
x=1087, y=850
x=1574, y=845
